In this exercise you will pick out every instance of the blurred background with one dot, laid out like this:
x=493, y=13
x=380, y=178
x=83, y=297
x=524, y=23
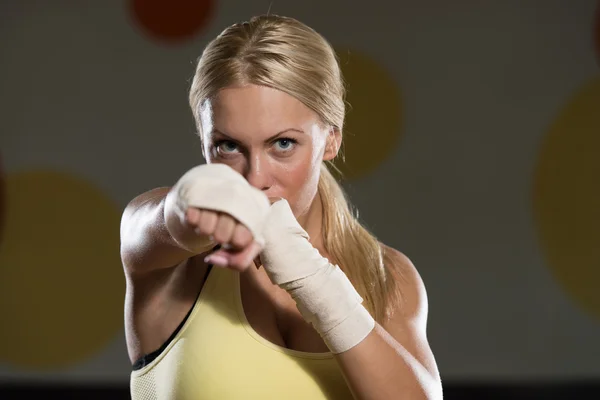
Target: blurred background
x=472, y=145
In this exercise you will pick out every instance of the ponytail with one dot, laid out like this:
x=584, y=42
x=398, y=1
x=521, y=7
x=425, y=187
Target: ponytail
x=358, y=253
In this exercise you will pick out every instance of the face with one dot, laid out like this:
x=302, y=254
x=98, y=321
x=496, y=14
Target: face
x=271, y=138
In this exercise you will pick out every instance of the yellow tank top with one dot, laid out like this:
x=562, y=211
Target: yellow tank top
x=216, y=355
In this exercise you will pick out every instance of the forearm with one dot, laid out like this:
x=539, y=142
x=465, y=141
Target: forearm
x=376, y=364
x=381, y=368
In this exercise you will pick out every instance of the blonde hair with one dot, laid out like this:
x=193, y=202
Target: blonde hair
x=285, y=54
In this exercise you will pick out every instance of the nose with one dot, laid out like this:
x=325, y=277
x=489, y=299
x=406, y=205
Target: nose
x=257, y=173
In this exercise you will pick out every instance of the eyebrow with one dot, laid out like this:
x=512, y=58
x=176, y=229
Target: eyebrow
x=270, y=139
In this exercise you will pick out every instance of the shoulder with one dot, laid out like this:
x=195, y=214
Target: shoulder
x=412, y=303
x=408, y=324
x=145, y=198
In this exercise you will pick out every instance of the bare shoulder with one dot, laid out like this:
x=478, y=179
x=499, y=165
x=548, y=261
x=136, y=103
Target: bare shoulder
x=408, y=323
x=413, y=302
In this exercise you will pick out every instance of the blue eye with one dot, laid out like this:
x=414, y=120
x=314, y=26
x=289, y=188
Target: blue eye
x=226, y=147
x=285, y=144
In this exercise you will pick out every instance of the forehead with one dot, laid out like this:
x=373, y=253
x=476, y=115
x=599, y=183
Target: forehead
x=255, y=110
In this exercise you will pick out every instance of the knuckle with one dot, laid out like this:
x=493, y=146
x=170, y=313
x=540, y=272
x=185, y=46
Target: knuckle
x=220, y=236
x=241, y=238
x=204, y=229
x=245, y=232
x=209, y=220
x=228, y=220
x=222, y=233
x=191, y=215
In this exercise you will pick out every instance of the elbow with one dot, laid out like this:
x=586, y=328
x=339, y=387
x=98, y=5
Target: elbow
x=432, y=390
x=428, y=387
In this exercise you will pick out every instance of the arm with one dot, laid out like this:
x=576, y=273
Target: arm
x=160, y=231
x=153, y=236
x=165, y=226
x=395, y=361
x=378, y=362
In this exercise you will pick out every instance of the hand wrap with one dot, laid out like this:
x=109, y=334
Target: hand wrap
x=323, y=293
x=218, y=187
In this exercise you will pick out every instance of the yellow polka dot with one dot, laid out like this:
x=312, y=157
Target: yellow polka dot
x=61, y=281
x=372, y=128
x=566, y=197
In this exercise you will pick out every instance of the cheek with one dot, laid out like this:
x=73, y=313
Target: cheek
x=299, y=181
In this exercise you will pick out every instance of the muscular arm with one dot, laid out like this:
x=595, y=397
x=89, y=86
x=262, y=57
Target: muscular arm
x=395, y=361
x=154, y=237
x=158, y=245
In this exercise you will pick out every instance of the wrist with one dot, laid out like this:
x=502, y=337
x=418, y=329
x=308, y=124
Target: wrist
x=323, y=293
x=330, y=303
x=180, y=233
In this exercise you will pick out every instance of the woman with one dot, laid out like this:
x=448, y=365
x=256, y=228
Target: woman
x=233, y=284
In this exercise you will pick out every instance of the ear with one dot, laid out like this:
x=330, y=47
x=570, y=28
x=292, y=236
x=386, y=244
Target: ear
x=333, y=143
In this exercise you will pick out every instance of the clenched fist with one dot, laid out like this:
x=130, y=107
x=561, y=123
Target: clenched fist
x=238, y=246
x=220, y=205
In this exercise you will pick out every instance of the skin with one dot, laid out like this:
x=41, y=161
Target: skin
x=278, y=145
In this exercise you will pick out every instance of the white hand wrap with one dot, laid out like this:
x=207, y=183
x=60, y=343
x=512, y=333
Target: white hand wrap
x=218, y=187
x=322, y=292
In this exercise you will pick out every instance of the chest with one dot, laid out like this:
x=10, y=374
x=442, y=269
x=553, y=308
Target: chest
x=273, y=314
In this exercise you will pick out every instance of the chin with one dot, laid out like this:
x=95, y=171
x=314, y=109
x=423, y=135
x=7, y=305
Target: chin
x=274, y=199
x=301, y=209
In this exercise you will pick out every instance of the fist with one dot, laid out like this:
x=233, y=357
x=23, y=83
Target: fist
x=238, y=247
x=222, y=208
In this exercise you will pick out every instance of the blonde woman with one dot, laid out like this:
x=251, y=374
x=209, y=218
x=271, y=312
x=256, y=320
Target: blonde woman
x=250, y=278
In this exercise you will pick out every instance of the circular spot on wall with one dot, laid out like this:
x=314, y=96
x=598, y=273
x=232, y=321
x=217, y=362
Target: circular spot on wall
x=374, y=109
x=566, y=197
x=61, y=280
x=172, y=21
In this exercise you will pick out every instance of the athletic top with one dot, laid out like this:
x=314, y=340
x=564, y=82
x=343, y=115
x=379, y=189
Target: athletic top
x=215, y=354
